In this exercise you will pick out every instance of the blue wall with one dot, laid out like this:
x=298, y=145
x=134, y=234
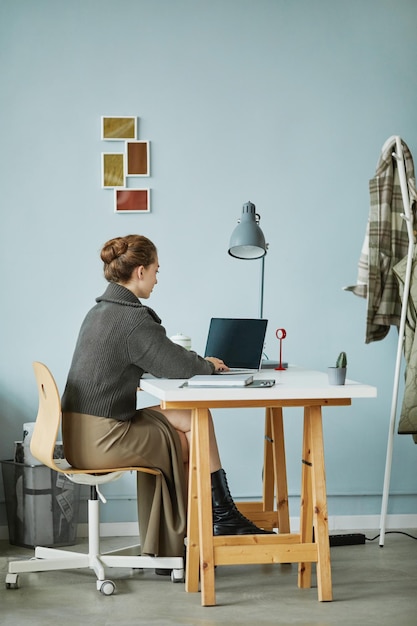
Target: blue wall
x=286, y=104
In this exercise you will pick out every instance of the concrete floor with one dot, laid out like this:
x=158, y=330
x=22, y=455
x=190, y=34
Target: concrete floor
x=371, y=586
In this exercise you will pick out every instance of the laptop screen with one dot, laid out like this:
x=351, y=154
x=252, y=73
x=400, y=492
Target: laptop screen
x=238, y=342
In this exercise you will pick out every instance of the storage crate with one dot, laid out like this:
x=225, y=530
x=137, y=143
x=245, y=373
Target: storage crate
x=41, y=505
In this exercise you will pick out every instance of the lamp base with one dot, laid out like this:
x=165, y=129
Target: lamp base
x=267, y=364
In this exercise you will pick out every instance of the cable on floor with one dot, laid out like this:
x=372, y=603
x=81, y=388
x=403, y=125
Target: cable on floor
x=391, y=532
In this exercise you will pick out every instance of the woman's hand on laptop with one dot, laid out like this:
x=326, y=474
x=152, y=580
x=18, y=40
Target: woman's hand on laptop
x=219, y=366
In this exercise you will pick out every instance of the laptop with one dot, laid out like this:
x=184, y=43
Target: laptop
x=238, y=342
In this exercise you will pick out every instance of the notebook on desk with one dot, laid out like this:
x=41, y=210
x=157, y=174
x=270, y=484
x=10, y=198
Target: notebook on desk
x=238, y=342
x=239, y=380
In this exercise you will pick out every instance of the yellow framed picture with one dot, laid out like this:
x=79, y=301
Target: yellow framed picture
x=113, y=170
x=118, y=128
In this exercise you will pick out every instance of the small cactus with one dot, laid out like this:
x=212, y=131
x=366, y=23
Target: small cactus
x=341, y=360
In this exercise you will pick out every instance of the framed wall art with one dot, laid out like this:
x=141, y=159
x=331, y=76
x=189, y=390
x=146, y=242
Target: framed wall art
x=118, y=128
x=113, y=170
x=132, y=201
x=137, y=158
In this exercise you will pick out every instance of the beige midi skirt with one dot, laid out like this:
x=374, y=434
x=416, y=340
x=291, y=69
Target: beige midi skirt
x=147, y=440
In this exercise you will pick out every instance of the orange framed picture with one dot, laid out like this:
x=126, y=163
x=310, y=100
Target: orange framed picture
x=137, y=158
x=132, y=201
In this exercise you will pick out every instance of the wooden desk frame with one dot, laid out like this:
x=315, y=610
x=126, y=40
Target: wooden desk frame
x=204, y=551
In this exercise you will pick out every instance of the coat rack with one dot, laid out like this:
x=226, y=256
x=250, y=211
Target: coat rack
x=399, y=157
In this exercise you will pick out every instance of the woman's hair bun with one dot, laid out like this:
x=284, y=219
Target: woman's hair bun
x=113, y=249
x=121, y=255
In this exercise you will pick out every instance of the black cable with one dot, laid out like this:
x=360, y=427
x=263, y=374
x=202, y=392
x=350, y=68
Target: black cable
x=391, y=532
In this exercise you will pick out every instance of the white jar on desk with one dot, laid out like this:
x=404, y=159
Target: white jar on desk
x=182, y=340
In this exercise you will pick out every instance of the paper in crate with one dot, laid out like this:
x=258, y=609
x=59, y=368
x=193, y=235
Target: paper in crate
x=19, y=452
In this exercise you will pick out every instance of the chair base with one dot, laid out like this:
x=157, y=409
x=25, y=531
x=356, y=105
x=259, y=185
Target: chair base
x=50, y=559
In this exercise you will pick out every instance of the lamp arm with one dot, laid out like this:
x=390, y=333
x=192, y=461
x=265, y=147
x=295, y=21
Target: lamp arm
x=261, y=299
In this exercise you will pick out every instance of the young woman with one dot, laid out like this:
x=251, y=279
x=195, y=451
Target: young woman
x=119, y=340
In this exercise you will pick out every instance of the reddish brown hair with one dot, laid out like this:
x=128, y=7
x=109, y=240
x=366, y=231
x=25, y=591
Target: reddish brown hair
x=122, y=255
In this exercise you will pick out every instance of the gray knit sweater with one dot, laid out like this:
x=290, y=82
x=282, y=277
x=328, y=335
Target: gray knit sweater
x=119, y=340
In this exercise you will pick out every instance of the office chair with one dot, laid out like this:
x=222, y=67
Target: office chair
x=47, y=559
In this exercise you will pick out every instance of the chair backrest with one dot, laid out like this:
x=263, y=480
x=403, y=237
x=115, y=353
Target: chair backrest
x=48, y=421
x=45, y=433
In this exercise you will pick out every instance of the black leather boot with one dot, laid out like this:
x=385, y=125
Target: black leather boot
x=227, y=519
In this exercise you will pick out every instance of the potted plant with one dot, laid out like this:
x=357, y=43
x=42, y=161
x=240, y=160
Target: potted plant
x=337, y=374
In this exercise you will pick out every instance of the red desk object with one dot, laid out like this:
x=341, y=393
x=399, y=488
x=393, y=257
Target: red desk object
x=280, y=334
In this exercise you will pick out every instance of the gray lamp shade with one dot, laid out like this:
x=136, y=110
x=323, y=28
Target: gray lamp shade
x=247, y=240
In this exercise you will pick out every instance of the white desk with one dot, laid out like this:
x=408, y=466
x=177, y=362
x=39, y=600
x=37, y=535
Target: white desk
x=294, y=387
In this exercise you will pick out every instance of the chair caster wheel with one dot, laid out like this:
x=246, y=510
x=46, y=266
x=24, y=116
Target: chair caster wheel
x=107, y=587
x=177, y=576
x=12, y=581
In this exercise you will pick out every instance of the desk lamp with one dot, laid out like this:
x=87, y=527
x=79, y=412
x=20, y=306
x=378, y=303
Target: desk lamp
x=248, y=242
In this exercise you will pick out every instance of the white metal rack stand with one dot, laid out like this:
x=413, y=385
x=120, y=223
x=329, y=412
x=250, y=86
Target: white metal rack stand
x=399, y=157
